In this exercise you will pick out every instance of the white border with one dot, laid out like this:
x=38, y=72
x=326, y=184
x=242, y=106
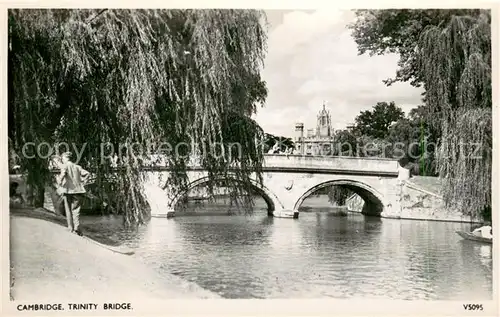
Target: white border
x=260, y=307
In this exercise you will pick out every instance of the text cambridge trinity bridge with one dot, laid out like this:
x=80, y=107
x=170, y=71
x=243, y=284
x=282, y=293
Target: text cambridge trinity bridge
x=289, y=179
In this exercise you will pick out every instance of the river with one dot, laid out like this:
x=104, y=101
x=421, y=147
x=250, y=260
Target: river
x=319, y=255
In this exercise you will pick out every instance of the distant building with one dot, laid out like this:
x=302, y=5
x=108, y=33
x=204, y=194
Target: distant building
x=316, y=142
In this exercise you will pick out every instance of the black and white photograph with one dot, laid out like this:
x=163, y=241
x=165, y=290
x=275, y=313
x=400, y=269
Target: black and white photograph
x=159, y=154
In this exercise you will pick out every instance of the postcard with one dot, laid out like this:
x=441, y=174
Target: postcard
x=217, y=158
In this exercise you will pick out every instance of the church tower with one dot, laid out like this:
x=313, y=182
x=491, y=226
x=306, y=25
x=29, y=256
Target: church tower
x=324, y=125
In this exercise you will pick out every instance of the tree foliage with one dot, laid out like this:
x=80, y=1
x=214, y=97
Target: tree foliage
x=448, y=52
x=412, y=142
x=387, y=132
x=375, y=123
x=379, y=32
x=345, y=142
x=136, y=77
x=283, y=142
x=338, y=195
x=456, y=67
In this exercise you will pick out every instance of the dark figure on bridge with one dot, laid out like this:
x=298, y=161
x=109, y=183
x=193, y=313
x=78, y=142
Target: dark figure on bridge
x=71, y=182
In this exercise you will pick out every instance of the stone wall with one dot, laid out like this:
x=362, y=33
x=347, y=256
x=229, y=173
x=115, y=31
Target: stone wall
x=355, y=203
x=418, y=202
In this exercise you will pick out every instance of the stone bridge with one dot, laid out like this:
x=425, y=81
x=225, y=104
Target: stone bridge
x=289, y=179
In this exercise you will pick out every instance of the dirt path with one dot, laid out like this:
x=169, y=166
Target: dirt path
x=48, y=262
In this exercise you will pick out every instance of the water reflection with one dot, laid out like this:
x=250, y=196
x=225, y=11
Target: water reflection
x=479, y=254
x=318, y=255
x=284, y=234
x=160, y=235
x=477, y=259
x=485, y=253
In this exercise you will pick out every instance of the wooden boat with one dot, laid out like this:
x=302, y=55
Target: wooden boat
x=470, y=236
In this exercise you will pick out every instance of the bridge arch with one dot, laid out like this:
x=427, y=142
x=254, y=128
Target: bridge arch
x=374, y=200
x=269, y=197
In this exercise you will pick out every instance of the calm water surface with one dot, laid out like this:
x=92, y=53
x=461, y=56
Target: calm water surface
x=317, y=255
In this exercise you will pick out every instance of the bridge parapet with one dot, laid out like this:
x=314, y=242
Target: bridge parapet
x=302, y=163
x=376, y=166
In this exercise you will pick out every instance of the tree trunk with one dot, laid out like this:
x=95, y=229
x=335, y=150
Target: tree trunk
x=35, y=196
x=38, y=197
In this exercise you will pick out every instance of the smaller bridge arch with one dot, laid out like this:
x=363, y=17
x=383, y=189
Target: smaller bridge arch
x=272, y=201
x=374, y=200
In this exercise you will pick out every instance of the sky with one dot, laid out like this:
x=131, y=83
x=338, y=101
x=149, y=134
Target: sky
x=312, y=59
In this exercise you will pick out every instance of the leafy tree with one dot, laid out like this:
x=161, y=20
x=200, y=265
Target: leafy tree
x=136, y=77
x=380, y=32
x=448, y=52
x=338, y=195
x=283, y=142
x=456, y=70
x=404, y=132
x=345, y=143
x=375, y=123
x=352, y=142
x=409, y=140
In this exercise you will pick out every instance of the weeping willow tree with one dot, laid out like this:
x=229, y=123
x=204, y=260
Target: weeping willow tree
x=338, y=195
x=456, y=68
x=137, y=77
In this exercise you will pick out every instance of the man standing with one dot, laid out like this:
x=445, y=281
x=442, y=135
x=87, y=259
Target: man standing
x=71, y=182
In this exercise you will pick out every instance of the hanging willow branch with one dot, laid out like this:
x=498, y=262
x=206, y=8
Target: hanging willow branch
x=456, y=63
x=135, y=77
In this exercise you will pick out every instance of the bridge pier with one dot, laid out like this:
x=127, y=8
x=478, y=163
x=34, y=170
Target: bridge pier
x=169, y=213
x=285, y=213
